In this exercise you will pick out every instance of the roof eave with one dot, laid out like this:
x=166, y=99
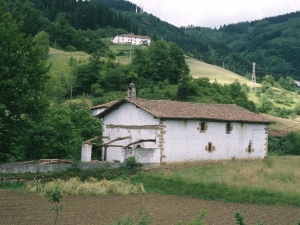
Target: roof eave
x=213, y=119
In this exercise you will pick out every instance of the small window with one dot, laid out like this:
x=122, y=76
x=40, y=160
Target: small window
x=228, y=128
x=210, y=147
x=138, y=146
x=249, y=148
x=202, y=127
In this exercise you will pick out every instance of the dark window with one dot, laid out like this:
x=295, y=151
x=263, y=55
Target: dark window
x=209, y=147
x=202, y=125
x=228, y=128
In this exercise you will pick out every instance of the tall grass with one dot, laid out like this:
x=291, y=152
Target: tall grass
x=87, y=188
x=274, y=180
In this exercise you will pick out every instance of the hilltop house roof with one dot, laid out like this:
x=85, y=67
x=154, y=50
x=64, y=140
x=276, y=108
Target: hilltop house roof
x=166, y=109
x=135, y=36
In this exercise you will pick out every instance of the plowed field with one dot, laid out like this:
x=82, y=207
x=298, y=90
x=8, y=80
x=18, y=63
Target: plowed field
x=20, y=208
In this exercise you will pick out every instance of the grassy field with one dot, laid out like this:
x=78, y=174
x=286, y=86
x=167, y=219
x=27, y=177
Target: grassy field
x=274, y=180
x=91, y=187
x=223, y=76
x=59, y=60
x=283, y=124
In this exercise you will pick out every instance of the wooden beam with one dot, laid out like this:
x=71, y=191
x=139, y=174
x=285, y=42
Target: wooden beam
x=139, y=141
x=95, y=138
x=101, y=145
x=117, y=139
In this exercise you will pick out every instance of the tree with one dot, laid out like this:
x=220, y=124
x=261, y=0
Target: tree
x=287, y=83
x=42, y=43
x=61, y=131
x=269, y=79
x=185, y=88
x=54, y=194
x=23, y=75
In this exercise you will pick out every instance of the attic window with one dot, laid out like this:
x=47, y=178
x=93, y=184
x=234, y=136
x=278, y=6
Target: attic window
x=228, y=128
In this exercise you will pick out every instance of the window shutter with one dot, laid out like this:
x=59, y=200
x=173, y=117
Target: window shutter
x=205, y=126
x=231, y=127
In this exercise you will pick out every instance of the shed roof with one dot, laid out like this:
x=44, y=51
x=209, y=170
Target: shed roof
x=166, y=109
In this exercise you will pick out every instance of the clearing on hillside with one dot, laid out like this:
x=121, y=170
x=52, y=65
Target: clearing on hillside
x=223, y=76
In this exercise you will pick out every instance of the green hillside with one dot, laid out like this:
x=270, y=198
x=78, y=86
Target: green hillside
x=59, y=60
x=223, y=76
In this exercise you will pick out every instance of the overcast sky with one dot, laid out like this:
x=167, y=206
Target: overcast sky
x=213, y=13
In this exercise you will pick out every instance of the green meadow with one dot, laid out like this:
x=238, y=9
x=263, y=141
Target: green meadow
x=273, y=180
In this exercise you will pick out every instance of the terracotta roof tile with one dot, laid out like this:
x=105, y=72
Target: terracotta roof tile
x=105, y=105
x=167, y=109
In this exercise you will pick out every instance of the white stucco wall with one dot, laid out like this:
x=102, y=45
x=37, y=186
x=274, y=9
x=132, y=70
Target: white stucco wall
x=129, y=120
x=183, y=142
x=86, y=153
x=135, y=40
x=97, y=111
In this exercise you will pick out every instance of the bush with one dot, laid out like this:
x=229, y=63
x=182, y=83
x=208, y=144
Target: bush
x=132, y=165
x=71, y=48
x=291, y=143
x=274, y=146
x=141, y=219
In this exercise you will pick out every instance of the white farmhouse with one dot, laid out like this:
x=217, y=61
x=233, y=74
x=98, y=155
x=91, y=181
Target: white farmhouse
x=131, y=39
x=163, y=131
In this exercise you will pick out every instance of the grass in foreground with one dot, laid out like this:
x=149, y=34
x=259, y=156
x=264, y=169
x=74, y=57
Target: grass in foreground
x=274, y=180
x=87, y=188
x=17, y=186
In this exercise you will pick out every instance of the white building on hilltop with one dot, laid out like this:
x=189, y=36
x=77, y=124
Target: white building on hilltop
x=131, y=39
x=163, y=131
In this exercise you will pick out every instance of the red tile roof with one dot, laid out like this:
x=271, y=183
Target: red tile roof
x=166, y=109
x=105, y=105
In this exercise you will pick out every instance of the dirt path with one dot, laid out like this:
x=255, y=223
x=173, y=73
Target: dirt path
x=19, y=208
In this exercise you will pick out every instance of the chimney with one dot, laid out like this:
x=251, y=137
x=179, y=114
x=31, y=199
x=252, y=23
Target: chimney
x=131, y=93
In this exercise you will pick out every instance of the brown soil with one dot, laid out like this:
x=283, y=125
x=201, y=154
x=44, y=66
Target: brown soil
x=20, y=208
